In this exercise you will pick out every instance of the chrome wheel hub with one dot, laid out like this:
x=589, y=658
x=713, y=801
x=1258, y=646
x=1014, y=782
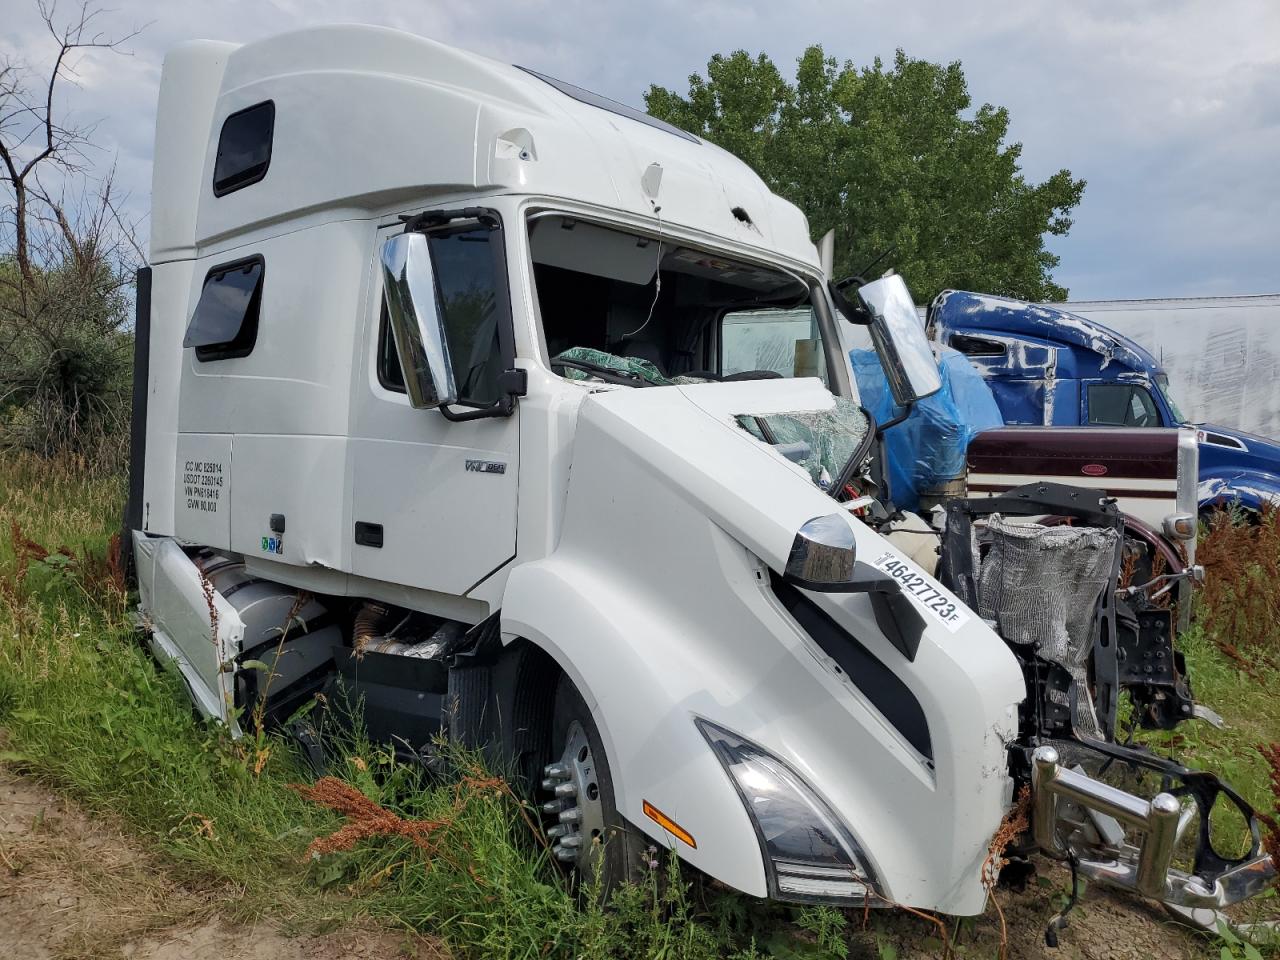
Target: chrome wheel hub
x=575, y=806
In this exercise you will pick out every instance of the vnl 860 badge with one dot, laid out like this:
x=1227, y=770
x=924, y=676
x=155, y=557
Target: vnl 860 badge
x=945, y=609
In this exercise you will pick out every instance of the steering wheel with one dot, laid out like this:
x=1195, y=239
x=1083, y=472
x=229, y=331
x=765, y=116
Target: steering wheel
x=601, y=372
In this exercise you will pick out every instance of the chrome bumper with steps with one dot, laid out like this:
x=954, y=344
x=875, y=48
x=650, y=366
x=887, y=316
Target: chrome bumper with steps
x=1147, y=867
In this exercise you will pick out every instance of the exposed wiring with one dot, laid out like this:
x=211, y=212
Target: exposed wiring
x=1059, y=921
x=657, y=278
x=1169, y=580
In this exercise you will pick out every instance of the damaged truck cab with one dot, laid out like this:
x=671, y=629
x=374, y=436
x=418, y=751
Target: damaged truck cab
x=437, y=409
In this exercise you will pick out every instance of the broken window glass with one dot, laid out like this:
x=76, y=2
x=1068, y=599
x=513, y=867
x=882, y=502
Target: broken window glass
x=821, y=441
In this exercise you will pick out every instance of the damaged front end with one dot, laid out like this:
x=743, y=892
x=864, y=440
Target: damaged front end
x=1117, y=813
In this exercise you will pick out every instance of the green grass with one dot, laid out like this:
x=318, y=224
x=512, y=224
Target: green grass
x=84, y=707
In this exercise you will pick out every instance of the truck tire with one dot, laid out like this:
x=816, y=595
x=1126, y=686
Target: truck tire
x=587, y=833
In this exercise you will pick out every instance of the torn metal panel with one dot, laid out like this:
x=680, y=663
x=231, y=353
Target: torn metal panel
x=191, y=624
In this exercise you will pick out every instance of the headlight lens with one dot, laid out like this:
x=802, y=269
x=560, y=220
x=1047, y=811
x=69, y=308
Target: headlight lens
x=809, y=854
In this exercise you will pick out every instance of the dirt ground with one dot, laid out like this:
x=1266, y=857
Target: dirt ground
x=76, y=887
x=1103, y=926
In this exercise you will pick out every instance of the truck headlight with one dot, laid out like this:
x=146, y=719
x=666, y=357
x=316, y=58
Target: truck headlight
x=809, y=854
x=1180, y=526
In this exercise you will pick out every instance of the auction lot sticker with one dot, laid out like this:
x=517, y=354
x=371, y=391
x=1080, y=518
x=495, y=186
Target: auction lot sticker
x=947, y=611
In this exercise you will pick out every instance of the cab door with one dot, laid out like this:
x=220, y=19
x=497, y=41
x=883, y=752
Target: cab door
x=1119, y=403
x=434, y=500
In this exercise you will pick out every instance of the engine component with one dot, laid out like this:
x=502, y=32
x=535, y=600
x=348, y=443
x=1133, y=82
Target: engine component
x=1050, y=594
x=289, y=636
x=1041, y=586
x=370, y=622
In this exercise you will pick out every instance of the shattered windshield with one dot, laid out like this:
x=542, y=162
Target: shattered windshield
x=821, y=441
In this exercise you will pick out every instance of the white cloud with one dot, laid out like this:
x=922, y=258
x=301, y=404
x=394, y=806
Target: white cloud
x=1171, y=110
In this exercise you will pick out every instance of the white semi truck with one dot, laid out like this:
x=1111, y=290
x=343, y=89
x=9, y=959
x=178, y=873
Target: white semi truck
x=432, y=402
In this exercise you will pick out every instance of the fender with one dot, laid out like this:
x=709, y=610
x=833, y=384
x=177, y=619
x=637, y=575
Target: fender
x=1251, y=489
x=658, y=604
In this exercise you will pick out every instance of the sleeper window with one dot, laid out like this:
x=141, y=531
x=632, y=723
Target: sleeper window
x=244, y=148
x=225, y=322
x=977, y=346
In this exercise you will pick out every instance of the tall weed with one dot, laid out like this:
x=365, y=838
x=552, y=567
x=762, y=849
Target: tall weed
x=1239, y=602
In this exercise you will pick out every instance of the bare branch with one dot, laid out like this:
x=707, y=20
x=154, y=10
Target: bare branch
x=25, y=115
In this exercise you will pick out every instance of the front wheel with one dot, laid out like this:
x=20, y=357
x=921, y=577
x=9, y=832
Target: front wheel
x=587, y=833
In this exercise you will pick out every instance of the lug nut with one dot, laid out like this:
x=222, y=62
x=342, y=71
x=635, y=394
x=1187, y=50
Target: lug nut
x=571, y=843
x=549, y=784
x=565, y=856
x=557, y=771
x=566, y=790
x=559, y=830
x=572, y=815
x=551, y=806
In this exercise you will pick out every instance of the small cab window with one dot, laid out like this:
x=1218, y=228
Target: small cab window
x=244, y=148
x=1122, y=405
x=977, y=346
x=390, y=374
x=225, y=322
x=785, y=342
x=468, y=271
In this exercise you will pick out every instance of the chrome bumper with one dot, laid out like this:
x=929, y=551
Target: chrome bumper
x=1147, y=868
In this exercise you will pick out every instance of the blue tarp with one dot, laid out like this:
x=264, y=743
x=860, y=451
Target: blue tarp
x=928, y=448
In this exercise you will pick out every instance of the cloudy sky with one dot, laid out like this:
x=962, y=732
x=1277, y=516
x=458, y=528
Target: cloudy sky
x=1169, y=108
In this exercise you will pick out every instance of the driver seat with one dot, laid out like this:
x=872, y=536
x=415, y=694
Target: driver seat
x=642, y=350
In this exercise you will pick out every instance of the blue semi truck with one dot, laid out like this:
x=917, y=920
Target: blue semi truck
x=1048, y=367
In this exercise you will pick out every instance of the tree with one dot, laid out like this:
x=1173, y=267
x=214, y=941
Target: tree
x=66, y=262
x=892, y=160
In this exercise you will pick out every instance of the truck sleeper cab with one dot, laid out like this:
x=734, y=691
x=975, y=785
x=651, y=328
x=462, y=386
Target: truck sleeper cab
x=436, y=365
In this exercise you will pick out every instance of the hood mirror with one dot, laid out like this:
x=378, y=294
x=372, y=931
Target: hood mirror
x=898, y=335
x=409, y=287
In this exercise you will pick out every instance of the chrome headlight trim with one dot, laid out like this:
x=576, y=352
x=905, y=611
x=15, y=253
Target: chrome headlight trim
x=810, y=855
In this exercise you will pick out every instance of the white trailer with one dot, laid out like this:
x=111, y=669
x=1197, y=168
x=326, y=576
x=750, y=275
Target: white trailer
x=434, y=361
x=1220, y=353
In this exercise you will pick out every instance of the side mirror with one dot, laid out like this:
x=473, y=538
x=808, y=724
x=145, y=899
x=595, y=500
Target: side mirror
x=409, y=286
x=899, y=338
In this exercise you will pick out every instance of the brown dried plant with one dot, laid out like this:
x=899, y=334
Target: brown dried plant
x=366, y=818
x=1239, y=603
x=99, y=577
x=1016, y=822
x=1271, y=842
x=206, y=587
x=1128, y=566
